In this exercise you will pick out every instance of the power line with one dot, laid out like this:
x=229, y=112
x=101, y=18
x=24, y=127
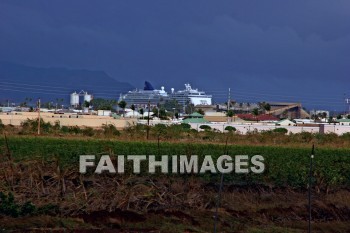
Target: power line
x=49, y=93
x=55, y=85
x=217, y=93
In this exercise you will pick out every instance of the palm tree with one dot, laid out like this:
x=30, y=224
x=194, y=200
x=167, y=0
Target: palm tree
x=256, y=113
x=267, y=107
x=230, y=114
x=141, y=112
x=248, y=106
x=324, y=115
x=133, y=110
x=122, y=104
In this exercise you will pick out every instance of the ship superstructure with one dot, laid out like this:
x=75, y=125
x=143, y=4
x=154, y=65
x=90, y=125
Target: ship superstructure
x=191, y=96
x=154, y=96
x=145, y=96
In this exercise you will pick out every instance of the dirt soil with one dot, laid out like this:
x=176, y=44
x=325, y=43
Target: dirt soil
x=108, y=203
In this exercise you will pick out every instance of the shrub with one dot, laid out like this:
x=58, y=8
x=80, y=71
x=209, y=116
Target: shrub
x=88, y=131
x=302, y=137
x=56, y=126
x=345, y=136
x=65, y=129
x=31, y=126
x=74, y=130
x=46, y=127
x=230, y=128
x=9, y=207
x=205, y=127
x=329, y=137
x=2, y=126
x=110, y=130
x=186, y=126
x=159, y=130
x=281, y=130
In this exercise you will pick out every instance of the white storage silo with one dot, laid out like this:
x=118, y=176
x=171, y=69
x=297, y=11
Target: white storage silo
x=74, y=99
x=87, y=97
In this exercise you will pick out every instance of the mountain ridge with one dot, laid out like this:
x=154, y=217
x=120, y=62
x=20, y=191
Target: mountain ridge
x=18, y=82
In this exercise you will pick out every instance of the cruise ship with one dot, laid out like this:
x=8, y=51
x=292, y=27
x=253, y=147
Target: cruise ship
x=142, y=97
x=189, y=95
x=155, y=96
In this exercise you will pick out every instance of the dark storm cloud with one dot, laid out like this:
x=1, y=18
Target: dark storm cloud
x=266, y=50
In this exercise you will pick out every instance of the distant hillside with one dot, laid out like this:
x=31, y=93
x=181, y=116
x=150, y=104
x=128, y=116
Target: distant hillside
x=18, y=82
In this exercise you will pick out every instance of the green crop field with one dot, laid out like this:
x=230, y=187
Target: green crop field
x=284, y=166
x=41, y=186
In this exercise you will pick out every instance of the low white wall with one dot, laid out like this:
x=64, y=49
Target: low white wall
x=66, y=119
x=244, y=128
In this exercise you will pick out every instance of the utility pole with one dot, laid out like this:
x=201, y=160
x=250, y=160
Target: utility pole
x=218, y=201
x=345, y=108
x=39, y=117
x=310, y=185
x=149, y=106
x=228, y=102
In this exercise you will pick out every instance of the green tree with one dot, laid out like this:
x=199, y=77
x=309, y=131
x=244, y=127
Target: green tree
x=200, y=111
x=25, y=102
x=248, y=106
x=103, y=104
x=86, y=104
x=267, y=107
x=122, y=104
x=163, y=114
x=189, y=108
x=141, y=111
x=169, y=105
x=330, y=120
x=155, y=111
x=263, y=106
x=255, y=112
x=230, y=113
x=132, y=107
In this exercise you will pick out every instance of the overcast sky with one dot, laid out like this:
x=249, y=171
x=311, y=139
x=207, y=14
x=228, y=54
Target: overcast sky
x=268, y=50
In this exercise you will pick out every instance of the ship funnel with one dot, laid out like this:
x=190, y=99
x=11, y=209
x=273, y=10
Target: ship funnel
x=148, y=86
